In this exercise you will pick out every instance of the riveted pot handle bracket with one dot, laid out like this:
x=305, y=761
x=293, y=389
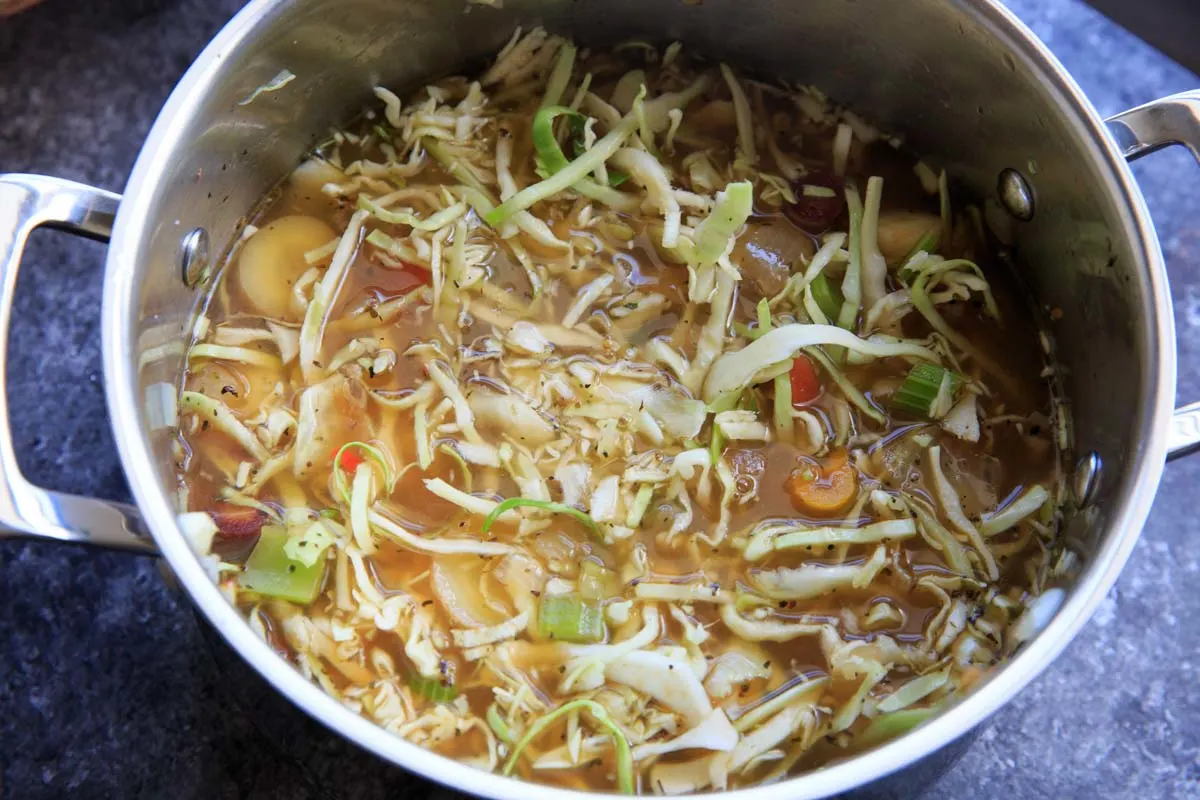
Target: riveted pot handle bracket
x=1158, y=124
x=28, y=202
x=1173, y=120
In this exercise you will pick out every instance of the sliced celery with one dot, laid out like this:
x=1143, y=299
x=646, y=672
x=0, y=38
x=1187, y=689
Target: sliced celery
x=567, y=618
x=270, y=572
x=919, y=390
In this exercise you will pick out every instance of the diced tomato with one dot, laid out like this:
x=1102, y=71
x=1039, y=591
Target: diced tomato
x=351, y=459
x=806, y=386
x=391, y=282
x=418, y=273
x=817, y=209
x=238, y=522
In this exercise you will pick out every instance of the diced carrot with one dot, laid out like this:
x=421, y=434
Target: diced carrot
x=826, y=489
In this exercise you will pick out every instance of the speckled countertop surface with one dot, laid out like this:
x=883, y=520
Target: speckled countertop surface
x=107, y=686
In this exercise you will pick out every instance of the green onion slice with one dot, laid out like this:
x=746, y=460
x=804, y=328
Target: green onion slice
x=371, y=453
x=433, y=688
x=545, y=505
x=600, y=714
x=827, y=296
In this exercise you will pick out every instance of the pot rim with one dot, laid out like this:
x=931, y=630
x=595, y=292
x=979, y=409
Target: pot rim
x=1130, y=511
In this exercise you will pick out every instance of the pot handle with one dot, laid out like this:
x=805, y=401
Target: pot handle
x=1139, y=132
x=26, y=202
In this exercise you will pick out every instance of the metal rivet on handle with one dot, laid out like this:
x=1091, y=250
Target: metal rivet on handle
x=1016, y=195
x=193, y=260
x=1087, y=478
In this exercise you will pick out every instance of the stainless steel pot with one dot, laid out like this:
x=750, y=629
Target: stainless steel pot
x=962, y=80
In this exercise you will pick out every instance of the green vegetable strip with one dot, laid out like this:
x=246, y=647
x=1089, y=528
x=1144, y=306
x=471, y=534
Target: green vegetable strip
x=499, y=727
x=716, y=444
x=889, y=726
x=718, y=229
x=620, y=744
x=312, y=330
x=433, y=688
x=567, y=618
x=225, y=421
x=545, y=505
x=271, y=573
x=852, y=393
x=873, y=266
x=460, y=461
x=578, y=125
x=640, y=504
x=852, y=283
x=827, y=296
x=549, y=155
x=550, y=159
x=926, y=244
x=566, y=177
x=784, y=425
x=763, y=313
x=559, y=76
x=925, y=307
x=920, y=388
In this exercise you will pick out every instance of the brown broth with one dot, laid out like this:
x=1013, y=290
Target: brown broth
x=1012, y=455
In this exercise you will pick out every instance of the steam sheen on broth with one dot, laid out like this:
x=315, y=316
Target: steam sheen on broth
x=616, y=421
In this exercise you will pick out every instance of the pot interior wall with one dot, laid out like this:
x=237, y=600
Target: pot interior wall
x=942, y=74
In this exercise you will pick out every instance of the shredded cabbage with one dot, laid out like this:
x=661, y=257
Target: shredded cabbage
x=733, y=372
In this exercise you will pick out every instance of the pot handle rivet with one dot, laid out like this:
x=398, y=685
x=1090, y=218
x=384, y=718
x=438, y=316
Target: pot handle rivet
x=193, y=258
x=1016, y=195
x=1087, y=479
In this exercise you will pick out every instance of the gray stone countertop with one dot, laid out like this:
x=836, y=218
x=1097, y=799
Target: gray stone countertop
x=107, y=686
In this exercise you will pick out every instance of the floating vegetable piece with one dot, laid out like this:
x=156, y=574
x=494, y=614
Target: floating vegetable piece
x=569, y=618
x=819, y=202
x=437, y=689
x=824, y=490
x=567, y=176
x=270, y=572
x=715, y=234
x=625, y=778
x=736, y=370
x=927, y=392
x=272, y=260
x=238, y=522
x=544, y=505
x=804, y=382
x=827, y=296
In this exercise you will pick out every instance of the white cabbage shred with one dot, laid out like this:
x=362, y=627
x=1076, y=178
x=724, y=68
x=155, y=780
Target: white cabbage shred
x=615, y=421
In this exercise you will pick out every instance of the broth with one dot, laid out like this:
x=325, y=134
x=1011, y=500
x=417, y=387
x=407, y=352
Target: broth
x=728, y=566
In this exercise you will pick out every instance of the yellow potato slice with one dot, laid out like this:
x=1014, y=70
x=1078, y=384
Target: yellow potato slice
x=899, y=232
x=272, y=260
